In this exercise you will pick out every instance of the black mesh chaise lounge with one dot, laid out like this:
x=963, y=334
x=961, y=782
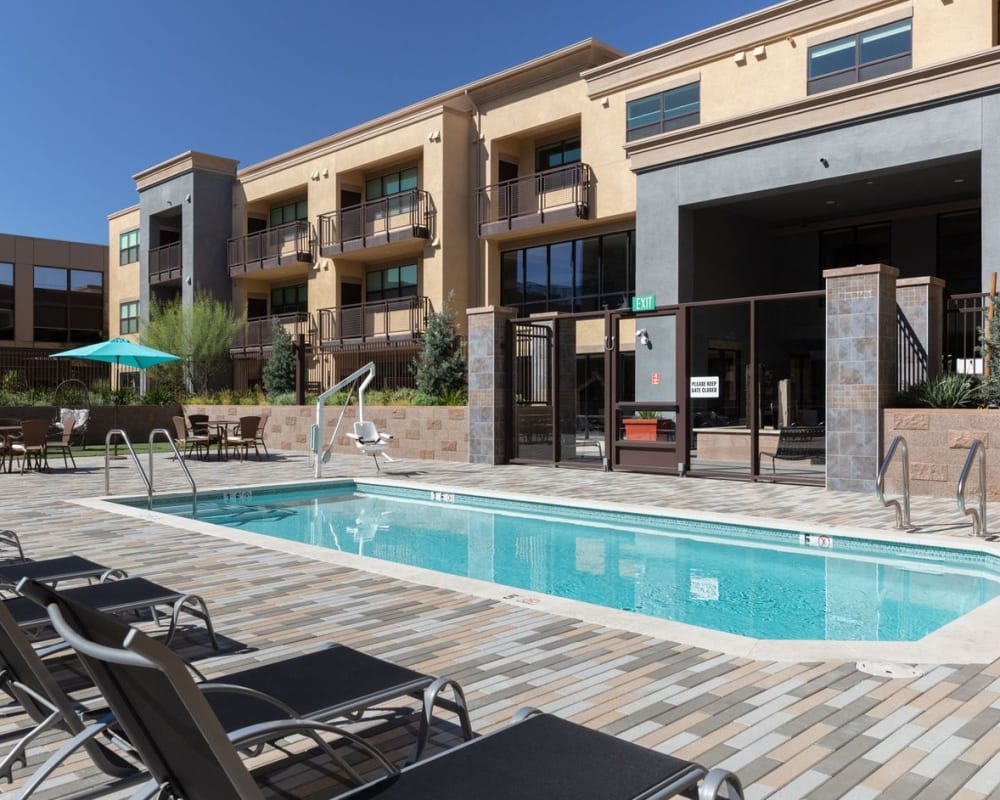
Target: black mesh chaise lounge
x=130, y=594
x=170, y=724
x=54, y=570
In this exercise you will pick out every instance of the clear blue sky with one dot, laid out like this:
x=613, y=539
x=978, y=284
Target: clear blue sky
x=94, y=92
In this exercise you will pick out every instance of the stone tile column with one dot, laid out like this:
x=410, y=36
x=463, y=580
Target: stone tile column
x=861, y=364
x=489, y=383
x=922, y=302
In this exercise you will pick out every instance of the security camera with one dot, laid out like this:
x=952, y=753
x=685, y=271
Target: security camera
x=643, y=336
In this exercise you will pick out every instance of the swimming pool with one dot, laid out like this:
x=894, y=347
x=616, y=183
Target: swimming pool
x=754, y=582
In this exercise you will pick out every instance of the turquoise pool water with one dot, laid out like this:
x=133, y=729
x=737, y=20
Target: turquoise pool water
x=755, y=582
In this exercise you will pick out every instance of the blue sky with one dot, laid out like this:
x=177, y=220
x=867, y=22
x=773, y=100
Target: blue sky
x=94, y=92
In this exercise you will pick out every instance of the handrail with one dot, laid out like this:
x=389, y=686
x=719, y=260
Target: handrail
x=978, y=514
x=107, y=461
x=902, y=511
x=177, y=456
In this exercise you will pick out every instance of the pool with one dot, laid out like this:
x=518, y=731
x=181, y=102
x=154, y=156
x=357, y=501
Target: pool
x=751, y=581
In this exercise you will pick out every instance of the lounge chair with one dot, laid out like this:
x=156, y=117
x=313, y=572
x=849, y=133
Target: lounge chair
x=54, y=570
x=11, y=539
x=130, y=594
x=368, y=440
x=170, y=724
x=328, y=684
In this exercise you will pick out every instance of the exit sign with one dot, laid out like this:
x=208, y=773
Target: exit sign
x=644, y=302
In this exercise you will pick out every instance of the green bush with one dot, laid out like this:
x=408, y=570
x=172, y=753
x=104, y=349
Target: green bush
x=440, y=369
x=947, y=390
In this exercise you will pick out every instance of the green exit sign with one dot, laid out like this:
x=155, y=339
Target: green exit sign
x=644, y=302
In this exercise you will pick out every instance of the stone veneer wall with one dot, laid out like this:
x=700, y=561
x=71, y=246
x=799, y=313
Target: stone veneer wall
x=433, y=433
x=938, y=441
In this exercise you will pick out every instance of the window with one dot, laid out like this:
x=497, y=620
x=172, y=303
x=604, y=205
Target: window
x=387, y=186
x=128, y=317
x=580, y=275
x=289, y=299
x=558, y=154
x=128, y=246
x=6, y=300
x=388, y=284
x=869, y=54
x=256, y=307
x=69, y=305
x=862, y=244
x=290, y=212
x=662, y=112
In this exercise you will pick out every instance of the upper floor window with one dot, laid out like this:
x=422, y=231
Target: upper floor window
x=390, y=283
x=289, y=299
x=6, y=300
x=859, y=244
x=393, y=183
x=290, y=212
x=128, y=247
x=128, y=317
x=869, y=54
x=558, y=154
x=664, y=111
x=69, y=305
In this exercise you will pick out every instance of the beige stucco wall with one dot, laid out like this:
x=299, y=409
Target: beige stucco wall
x=123, y=280
x=437, y=433
x=938, y=442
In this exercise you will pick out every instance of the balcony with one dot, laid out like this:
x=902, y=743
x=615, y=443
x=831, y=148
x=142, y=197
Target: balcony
x=275, y=247
x=165, y=264
x=258, y=335
x=394, y=218
x=543, y=198
x=401, y=319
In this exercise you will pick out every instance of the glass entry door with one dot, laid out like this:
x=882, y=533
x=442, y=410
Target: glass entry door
x=582, y=381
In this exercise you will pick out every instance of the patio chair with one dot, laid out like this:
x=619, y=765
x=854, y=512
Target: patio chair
x=260, y=434
x=30, y=447
x=243, y=436
x=116, y=596
x=368, y=440
x=188, y=752
x=54, y=570
x=201, y=426
x=187, y=439
x=62, y=444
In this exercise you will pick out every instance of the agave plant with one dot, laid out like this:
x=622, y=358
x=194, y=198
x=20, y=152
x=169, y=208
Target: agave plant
x=947, y=390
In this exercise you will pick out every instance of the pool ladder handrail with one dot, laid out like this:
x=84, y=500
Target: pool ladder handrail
x=902, y=509
x=146, y=479
x=978, y=514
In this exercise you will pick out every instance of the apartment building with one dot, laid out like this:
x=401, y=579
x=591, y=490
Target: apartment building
x=52, y=296
x=646, y=219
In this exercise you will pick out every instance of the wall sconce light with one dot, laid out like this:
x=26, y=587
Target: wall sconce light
x=325, y=173
x=740, y=58
x=434, y=136
x=760, y=52
x=188, y=280
x=314, y=175
x=605, y=102
x=643, y=336
x=187, y=197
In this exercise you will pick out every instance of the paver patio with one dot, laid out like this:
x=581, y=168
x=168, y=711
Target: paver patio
x=816, y=729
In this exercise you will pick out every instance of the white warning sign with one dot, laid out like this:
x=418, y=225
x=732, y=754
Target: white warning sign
x=705, y=387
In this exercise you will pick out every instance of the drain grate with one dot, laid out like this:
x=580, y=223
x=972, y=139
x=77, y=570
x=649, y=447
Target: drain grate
x=883, y=670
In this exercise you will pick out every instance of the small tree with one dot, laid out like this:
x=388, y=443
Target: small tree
x=279, y=372
x=200, y=334
x=440, y=368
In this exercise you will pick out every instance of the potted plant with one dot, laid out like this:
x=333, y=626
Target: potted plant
x=646, y=426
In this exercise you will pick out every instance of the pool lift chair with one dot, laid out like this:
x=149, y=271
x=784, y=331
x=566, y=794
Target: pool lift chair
x=366, y=436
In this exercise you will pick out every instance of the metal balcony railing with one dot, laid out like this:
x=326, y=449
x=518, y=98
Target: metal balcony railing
x=406, y=215
x=274, y=247
x=385, y=320
x=555, y=195
x=165, y=263
x=259, y=332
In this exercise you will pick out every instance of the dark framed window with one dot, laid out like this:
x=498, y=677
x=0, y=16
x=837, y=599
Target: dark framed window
x=289, y=212
x=869, y=54
x=573, y=276
x=128, y=317
x=6, y=300
x=256, y=307
x=664, y=111
x=388, y=186
x=128, y=247
x=289, y=299
x=68, y=304
x=959, y=251
x=860, y=244
x=557, y=154
x=390, y=283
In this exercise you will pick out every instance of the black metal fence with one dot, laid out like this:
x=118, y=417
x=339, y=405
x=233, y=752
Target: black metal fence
x=912, y=356
x=963, y=321
x=27, y=368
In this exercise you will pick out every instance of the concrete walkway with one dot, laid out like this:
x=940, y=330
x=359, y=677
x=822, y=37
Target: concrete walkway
x=793, y=729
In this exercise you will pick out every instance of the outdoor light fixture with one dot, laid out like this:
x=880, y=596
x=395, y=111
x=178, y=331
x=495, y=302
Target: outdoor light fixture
x=643, y=336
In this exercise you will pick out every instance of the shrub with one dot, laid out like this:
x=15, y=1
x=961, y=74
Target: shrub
x=989, y=349
x=440, y=368
x=947, y=390
x=279, y=372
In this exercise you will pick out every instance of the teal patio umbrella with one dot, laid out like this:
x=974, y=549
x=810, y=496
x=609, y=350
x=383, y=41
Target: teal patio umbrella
x=120, y=352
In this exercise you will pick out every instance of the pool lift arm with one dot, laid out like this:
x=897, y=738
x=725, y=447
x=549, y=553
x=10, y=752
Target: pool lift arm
x=321, y=457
